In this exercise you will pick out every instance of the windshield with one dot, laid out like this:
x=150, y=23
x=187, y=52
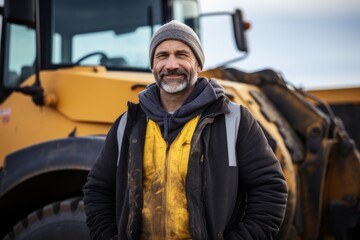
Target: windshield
x=113, y=33
x=187, y=11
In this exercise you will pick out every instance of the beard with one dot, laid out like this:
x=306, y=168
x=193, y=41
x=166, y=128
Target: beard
x=175, y=86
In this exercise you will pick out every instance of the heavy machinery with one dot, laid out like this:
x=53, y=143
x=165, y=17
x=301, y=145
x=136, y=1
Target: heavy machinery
x=67, y=70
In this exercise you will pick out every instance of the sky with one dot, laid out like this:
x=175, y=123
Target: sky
x=314, y=44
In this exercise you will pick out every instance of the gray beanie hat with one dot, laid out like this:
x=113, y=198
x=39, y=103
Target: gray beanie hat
x=176, y=30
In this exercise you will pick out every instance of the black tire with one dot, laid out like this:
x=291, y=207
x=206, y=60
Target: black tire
x=57, y=221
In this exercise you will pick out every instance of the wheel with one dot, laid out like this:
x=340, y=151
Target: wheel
x=56, y=221
x=103, y=56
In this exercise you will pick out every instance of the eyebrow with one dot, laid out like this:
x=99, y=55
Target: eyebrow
x=162, y=53
x=182, y=51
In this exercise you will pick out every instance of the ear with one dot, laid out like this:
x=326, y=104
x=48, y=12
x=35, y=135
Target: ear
x=199, y=68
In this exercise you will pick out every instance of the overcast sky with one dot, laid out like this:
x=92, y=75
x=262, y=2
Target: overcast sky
x=313, y=43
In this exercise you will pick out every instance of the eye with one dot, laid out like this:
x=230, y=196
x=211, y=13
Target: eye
x=182, y=54
x=161, y=55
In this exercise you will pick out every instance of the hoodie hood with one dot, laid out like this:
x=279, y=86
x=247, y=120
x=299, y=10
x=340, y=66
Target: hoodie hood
x=204, y=94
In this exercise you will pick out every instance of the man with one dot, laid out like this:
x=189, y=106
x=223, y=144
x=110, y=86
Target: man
x=170, y=175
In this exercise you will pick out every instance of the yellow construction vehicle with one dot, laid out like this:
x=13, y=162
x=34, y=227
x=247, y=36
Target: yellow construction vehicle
x=68, y=69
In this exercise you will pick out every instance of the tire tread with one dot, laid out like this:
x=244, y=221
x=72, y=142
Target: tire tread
x=71, y=205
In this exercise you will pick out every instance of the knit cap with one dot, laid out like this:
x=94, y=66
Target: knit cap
x=176, y=30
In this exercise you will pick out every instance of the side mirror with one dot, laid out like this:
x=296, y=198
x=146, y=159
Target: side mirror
x=20, y=11
x=240, y=26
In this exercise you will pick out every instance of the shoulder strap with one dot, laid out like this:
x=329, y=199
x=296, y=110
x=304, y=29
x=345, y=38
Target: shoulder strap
x=120, y=134
x=232, y=123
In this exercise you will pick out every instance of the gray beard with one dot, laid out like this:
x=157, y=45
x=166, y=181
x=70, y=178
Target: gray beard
x=175, y=87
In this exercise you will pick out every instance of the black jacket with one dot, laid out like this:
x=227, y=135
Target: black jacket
x=247, y=201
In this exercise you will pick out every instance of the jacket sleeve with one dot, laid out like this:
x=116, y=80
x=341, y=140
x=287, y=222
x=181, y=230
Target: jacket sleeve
x=261, y=176
x=99, y=190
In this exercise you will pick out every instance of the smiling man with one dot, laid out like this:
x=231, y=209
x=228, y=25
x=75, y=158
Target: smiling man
x=169, y=168
x=175, y=70
x=175, y=66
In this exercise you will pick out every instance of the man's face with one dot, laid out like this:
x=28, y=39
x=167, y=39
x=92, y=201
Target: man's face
x=175, y=66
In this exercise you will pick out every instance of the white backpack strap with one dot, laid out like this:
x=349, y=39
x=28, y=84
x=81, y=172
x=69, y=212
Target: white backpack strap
x=232, y=123
x=120, y=134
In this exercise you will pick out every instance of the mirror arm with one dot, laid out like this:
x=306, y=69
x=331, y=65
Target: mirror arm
x=222, y=65
x=214, y=14
x=35, y=90
x=38, y=98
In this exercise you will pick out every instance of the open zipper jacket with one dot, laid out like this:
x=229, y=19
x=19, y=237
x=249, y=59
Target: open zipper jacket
x=246, y=201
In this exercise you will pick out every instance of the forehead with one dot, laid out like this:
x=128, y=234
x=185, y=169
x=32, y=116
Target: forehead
x=172, y=46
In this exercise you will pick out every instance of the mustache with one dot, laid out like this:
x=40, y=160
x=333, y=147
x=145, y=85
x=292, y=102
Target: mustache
x=173, y=72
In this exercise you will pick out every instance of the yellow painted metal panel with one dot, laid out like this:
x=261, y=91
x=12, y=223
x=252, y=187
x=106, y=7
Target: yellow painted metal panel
x=87, y=99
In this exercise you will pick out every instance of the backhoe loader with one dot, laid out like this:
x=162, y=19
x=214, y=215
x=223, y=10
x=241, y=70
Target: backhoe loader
x=68, y=69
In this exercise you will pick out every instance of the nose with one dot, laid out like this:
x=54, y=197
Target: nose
x=172, y=63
